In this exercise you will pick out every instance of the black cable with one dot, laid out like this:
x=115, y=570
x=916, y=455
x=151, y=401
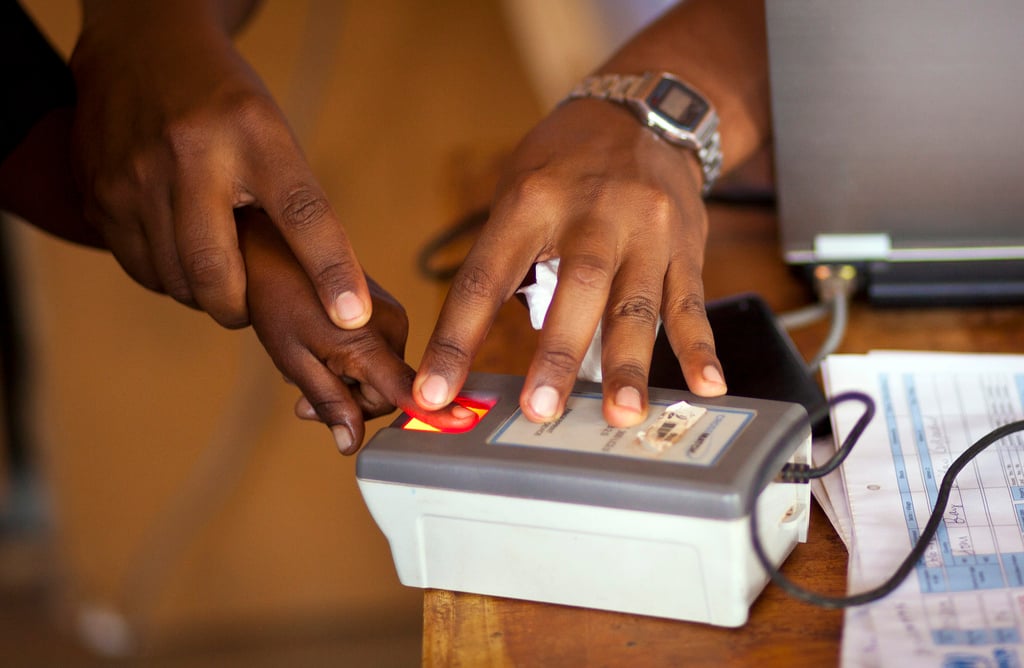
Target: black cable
x=426, y=260
x=801, y=473
x=764, y=474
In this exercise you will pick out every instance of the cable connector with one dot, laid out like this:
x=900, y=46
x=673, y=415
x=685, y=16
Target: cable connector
x=831, y=281
x=835, y=285
x=794, y=472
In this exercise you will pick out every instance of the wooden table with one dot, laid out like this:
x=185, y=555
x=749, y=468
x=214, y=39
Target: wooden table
x=742, y=255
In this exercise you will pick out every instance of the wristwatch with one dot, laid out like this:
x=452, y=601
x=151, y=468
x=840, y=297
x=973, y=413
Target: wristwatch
x=675, y=110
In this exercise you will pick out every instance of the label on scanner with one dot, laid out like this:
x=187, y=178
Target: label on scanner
x=670, y=426
x=707, y=433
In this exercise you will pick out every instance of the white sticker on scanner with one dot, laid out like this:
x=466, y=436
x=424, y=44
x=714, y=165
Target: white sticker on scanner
x=582, y=428
x=670, y=426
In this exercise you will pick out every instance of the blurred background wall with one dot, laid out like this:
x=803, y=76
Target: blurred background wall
x=185, y=505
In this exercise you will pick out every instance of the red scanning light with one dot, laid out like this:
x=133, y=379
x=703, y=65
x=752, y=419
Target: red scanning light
x=479, y=405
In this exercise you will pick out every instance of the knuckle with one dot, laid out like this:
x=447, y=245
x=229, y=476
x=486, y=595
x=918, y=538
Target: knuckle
x=689, y=304
x=210, y=287
x=449, y=352
x=654, y=200
x=589, y=270
x=630, y=372
x=331, y=411
x=365, y=353
x=334, y=275
x=109, y=193
x=357, y=350
x=473, y=284
x=178, y=288
x=303, y=207
x=534, y=190
x=375, y=407
x=206, y=267
x=252, y=110
x=138, y=170
x=658, y=210
x=640, y=309
x=185, y=136
x=194, y=129
x=701, y=346
x=560, y=360
x=123, y=177
x=657, y=207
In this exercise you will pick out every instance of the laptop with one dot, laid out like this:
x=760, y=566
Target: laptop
x=899, y=143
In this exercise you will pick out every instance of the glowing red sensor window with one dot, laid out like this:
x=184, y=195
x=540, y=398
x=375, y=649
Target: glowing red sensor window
x=480, y=406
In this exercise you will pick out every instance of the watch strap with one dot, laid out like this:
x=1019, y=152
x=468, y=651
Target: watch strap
x=626, y=89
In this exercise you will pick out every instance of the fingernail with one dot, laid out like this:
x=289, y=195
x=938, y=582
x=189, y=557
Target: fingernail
x=628, y=398
x=712, y=375
x=434, y=390
x=544, y=401
x=461, y=412
x=304, y=409
x=349, y=307
x=342, y=438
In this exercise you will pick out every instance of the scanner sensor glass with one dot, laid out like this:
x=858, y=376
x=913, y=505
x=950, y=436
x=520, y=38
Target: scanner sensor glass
x=479, y=405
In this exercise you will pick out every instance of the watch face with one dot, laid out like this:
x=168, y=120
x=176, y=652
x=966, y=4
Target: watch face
x=677, y=104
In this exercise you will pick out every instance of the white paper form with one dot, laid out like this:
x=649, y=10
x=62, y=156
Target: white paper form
x=830, y=491
x=963, y=605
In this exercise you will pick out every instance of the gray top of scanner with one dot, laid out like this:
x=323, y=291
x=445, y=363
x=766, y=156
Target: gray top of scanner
x=468, y=462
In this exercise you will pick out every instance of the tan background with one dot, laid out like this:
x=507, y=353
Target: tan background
x=404, y=108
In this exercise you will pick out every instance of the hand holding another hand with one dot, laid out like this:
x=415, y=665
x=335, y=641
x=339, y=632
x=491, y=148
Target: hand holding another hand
x=173, y=131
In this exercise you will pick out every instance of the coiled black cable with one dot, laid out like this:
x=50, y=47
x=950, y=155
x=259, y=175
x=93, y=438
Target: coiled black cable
x=803, y=473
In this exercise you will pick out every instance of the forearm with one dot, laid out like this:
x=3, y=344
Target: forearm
x=227, y=15
x=718, y=46
x=119, y=36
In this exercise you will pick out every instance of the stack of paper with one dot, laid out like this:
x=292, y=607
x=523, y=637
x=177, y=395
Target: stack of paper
x=963, y=605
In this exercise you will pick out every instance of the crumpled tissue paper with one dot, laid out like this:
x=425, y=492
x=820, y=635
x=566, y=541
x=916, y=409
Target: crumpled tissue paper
x=538, y=299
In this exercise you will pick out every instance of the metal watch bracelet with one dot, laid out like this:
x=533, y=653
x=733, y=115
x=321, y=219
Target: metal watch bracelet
x=626, y=88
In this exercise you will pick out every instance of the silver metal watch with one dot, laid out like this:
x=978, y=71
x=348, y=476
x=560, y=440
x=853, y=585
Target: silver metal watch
x=669, y=107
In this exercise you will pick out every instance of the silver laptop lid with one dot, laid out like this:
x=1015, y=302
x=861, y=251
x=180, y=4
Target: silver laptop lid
x=899, y=129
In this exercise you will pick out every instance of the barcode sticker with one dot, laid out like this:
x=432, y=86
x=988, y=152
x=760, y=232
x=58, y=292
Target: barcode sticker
x=666, y=431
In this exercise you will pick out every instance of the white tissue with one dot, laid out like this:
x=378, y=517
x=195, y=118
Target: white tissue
x=538, y=299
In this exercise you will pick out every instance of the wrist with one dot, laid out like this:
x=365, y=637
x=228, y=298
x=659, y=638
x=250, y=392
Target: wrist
x=119, y=37
x=666, y=106
x=112, y=27
x=224, y=15
x=717, y=46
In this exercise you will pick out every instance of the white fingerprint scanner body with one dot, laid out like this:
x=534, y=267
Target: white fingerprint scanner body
x=575, y=512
